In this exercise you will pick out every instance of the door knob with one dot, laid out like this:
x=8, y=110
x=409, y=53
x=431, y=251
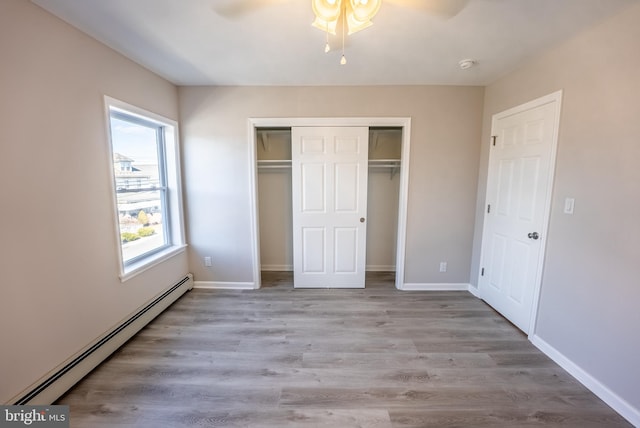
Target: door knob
x=533, y=235
x=361, y=219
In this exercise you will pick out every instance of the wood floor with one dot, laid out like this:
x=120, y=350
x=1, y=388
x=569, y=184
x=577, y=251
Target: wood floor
x=376, y=357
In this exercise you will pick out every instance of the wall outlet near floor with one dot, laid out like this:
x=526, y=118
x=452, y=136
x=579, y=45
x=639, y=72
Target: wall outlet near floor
x=443, y=266
x=207, y=261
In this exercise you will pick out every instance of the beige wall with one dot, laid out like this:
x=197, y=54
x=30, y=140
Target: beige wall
x=591, y=282
x=382, y=219
x=58, y=259
x=276, y=221
x=446, y=123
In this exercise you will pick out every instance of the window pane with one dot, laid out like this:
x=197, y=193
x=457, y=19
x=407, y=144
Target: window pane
x=140, y=187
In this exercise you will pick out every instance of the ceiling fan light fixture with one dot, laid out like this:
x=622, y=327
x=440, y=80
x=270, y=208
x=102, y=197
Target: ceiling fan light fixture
x=363, y=11
x=358, y=14
x=324, y=25
x=327, y=13
x=354, y=22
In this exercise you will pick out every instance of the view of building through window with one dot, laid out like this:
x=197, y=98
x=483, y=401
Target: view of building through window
x=138, y=165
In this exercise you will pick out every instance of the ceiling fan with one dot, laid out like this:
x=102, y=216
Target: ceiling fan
x=443, y=8
x=353, y=15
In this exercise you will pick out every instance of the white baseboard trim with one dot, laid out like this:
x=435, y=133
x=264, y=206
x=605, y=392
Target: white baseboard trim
x=473, y=290
x=434, y=286
x=219, y=285
x=277, y=268
x=380, y=268
x=618, y=404
x=51, y=386
x=289, y=268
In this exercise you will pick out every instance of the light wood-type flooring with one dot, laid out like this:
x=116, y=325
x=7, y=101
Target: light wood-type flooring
x=374, y=357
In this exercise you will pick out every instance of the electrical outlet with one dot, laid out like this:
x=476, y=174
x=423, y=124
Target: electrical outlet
x=443, y=266
x=207, y=261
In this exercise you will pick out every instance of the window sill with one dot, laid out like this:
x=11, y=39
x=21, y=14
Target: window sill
x=151, y=261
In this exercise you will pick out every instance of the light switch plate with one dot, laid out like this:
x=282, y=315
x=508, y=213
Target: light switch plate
x=569, y=204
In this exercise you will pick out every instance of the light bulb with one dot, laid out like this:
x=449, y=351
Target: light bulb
x=327, y=48
x=343, y=60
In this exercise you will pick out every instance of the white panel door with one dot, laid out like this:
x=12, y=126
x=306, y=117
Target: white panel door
x=329, y=192
x=518, y=194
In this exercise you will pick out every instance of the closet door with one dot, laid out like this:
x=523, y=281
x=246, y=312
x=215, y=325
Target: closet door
x=329, y=195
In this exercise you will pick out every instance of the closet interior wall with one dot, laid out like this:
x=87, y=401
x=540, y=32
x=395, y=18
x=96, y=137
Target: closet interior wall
x=274, y=198
x=383, y=194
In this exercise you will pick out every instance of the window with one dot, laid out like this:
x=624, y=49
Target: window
x=146, y=186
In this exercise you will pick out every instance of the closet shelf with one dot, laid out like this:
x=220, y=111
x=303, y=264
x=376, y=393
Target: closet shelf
x=274, y=164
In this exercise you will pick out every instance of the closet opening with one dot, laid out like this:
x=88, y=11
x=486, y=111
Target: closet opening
x=273, y=152
x=271, y=187
x=274, y=202
x=383, y=195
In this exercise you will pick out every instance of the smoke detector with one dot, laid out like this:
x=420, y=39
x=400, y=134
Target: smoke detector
x=467, y=63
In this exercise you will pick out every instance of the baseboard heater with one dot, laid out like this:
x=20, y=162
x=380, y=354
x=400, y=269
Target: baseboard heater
x=48, y=389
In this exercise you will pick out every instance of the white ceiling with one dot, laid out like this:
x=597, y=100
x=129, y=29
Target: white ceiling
x=191, y=42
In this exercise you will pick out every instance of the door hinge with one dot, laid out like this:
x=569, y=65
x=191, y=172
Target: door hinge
x=493, y=139
x=488, y=208
x=482, y=272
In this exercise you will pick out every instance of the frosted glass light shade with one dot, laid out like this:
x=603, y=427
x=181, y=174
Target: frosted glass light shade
x=327, y=13
x=358, y=14
x=364, y=11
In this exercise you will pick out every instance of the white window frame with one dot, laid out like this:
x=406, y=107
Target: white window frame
x=170, y=168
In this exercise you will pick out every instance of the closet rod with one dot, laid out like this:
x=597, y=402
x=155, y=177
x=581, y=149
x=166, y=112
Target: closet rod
x=392, y=164
x=274, y=164
x=384, y=163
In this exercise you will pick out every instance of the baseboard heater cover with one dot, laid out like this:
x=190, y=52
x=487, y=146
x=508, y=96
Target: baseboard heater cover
x=69, y=374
